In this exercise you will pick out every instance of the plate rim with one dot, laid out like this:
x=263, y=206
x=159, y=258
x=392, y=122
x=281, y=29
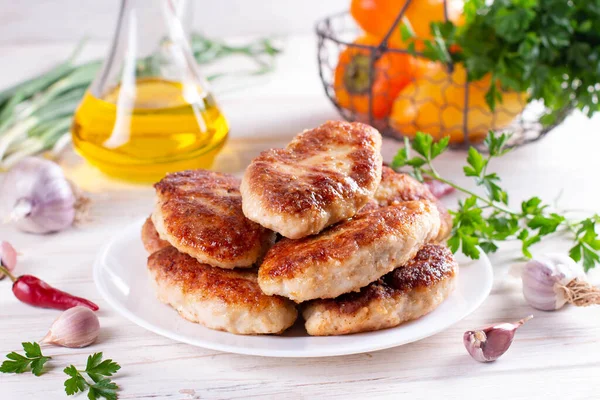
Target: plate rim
x=283, y=353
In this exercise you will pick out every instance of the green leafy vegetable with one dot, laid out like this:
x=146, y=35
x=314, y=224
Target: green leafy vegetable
x=481, y=221
x=549, y=48
x=33, y=359
x=98, y=371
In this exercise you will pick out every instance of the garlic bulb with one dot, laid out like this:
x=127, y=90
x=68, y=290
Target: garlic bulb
x=37, y=197
x=552, y=280
x=490, y=342
x=76, y=327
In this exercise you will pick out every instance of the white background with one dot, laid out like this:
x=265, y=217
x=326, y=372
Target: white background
x=555, y=356
x=35, y=21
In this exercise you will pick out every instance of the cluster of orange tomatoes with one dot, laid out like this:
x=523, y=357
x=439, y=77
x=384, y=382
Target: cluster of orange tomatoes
x=413, y=93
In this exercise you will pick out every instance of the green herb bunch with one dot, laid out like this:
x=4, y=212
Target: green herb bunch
x=99, y=372
x=549, y=48
x=483, y=220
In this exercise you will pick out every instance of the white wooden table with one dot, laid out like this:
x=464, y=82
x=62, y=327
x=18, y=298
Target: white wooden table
x=555, y=356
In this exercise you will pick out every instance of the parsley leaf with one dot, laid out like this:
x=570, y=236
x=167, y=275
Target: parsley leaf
x=488, y=247
x=440, y=146
x=546, y=223
x=96, y=368
x=533, y=206
x=76, y=383
x=17, y=363
x=33, y=358
x=103, y=388
x=98, y=371
x=422, y=145
x=587, y=247
x=476, y=163
x=481, y=221
x=496, y=144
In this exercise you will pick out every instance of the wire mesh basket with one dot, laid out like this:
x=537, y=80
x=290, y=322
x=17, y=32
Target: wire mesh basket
x=375, y=81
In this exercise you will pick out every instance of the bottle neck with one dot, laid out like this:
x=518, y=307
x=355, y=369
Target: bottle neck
x=149, y=40
x=154, y=20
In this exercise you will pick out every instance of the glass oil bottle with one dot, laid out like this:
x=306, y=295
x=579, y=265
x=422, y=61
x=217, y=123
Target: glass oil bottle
x=149, y=111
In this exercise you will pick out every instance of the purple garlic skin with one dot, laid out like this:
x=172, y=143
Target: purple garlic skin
x=539, y=287
x=76, y=327
x=490, y=342
x=8, y=257
x=542, y=278
x=40, y=199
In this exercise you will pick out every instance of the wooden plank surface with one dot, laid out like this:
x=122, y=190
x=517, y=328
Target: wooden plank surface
x=555, y=356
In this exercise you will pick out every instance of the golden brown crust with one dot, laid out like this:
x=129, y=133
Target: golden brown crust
x=323, y=176
x=349, y=255
x=398, y=187
x=233, y=287
x=281, y=192
x=289, y=257
x=152, y=242
x=432, y=264
x=406, y=293
x=200, y=213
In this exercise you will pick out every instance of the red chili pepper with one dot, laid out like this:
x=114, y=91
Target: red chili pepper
x=35, y=292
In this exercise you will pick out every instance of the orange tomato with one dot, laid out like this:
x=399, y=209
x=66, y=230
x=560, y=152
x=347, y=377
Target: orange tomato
x=392, y=72
x=377, y=16
x=436, y=105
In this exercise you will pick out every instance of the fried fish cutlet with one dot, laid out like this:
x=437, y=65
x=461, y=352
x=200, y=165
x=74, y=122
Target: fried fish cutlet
x=200, y=213
x=226, y=300
x=349, y=255
x=152, y=242
x=406, y=293
x=323, y=176
x=398, y=187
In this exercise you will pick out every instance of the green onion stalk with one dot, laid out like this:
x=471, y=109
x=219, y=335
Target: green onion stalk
x=36, y=114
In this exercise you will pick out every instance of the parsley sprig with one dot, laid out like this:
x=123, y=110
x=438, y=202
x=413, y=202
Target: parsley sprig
x=33, y=359
x=482, y=221
x=98, y=371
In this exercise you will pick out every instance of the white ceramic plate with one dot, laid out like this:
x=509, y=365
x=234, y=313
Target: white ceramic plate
x=121, y=277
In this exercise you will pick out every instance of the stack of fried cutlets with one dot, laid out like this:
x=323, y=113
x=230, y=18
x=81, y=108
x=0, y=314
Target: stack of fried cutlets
x=359, y=250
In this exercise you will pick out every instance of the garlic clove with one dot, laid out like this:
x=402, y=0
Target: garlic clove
x=76, y=327
x=490, y=342
x=8, y=257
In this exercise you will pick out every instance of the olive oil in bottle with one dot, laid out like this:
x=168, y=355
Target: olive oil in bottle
x=149, y=111
x=167, y=128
